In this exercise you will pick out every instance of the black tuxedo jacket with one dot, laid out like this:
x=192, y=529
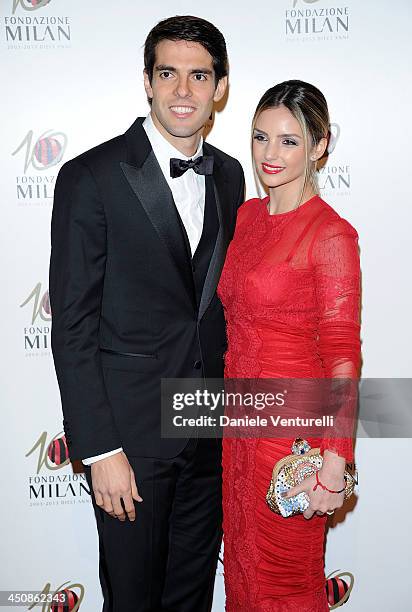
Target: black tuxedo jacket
x=127, y=306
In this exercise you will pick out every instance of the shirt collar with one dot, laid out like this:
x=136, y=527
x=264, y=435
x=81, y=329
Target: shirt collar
x=162, y=147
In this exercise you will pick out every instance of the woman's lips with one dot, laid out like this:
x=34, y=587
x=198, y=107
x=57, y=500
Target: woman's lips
x=269, y=169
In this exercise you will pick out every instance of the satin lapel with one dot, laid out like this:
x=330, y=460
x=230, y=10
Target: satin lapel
x=153, y=193
x=218, y=184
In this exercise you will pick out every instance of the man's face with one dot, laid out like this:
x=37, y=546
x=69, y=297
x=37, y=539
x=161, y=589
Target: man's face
x=183, y=89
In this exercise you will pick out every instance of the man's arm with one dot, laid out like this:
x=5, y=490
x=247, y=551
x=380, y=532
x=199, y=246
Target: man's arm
x=241, y=193
x=77, y=268
x=90, y=460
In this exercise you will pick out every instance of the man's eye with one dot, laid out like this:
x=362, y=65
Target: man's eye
x=200, y=77
x=165, y=74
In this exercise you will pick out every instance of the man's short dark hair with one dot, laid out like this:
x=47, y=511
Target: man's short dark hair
x=193, y=29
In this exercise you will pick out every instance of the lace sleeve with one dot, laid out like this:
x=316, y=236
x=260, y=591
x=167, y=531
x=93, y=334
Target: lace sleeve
x=335, y=260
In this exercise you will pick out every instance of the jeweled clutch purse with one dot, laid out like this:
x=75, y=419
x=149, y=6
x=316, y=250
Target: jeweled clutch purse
x=292, y=470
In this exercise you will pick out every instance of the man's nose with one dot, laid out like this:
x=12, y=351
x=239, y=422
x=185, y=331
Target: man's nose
x=183, y=88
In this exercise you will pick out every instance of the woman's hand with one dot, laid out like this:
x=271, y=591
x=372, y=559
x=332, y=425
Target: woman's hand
x=331, y=476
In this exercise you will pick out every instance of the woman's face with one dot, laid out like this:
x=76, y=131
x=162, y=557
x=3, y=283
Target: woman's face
x=279, y=148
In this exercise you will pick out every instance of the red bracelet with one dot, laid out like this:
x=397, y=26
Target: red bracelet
x=319, y=484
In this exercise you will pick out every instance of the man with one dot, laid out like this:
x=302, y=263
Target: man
x=138, y=244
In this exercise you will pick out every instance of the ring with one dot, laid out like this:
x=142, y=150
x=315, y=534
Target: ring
x=330, y=512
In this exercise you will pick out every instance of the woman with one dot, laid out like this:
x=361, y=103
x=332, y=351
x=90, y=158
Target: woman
x=290, y=290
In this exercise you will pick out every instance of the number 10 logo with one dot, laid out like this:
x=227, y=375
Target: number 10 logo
x=48, y=150
x=29, y=5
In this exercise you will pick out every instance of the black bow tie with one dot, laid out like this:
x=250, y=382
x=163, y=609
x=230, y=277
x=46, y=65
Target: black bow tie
x=201, y=165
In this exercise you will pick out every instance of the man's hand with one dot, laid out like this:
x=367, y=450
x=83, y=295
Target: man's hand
x=113, y=480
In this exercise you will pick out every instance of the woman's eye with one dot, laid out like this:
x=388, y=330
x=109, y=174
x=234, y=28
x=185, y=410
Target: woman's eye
x=259, y=137
x=288, y=142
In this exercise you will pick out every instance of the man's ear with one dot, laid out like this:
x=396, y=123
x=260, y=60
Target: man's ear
x=147, y=85
x=319, y=149
x=220, y=89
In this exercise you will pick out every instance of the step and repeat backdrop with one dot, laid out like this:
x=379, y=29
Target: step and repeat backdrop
x=71, y=78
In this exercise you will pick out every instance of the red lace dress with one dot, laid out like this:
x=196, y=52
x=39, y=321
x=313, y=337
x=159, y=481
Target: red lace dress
x=290, y=290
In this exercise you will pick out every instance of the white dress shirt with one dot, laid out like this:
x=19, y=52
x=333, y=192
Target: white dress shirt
x=188, y=193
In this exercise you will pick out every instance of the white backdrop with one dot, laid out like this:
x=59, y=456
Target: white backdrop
x=72, y=77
